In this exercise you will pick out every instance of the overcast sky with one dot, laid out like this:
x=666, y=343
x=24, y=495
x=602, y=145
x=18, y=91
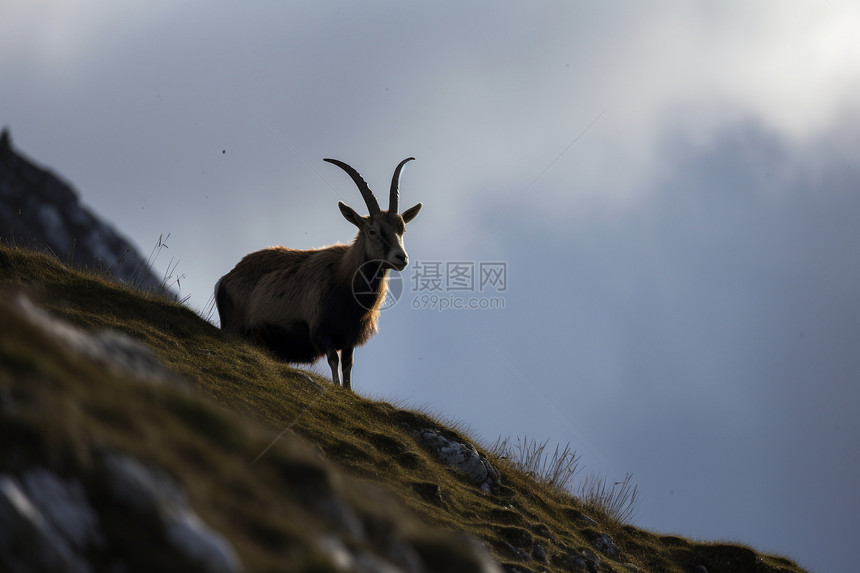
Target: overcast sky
x=673, y=187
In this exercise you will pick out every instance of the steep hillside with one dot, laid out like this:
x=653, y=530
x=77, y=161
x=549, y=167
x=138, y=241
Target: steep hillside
x=135, y=437
x=38, y=209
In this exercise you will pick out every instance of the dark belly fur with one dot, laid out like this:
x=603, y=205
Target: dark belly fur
x=289, y=343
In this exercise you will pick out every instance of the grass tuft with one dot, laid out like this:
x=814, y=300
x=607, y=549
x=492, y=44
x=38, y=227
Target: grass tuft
x=618, y=500
x=559, y=467
x=556, y=469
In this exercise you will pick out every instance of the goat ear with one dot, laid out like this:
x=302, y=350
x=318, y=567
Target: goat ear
x=350, y=215
x=410, y=213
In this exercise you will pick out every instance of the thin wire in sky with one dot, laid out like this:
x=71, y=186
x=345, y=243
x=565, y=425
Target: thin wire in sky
x=293, y=422
x=296, y=152
x=495, y=351
x=537, y=393
x=528, y=187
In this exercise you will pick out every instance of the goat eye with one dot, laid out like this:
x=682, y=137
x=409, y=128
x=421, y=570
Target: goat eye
x=371, y=231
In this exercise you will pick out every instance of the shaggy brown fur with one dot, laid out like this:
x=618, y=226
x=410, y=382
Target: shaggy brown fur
x=302, y=305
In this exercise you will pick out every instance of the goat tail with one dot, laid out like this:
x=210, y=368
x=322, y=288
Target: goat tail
x=224, y=304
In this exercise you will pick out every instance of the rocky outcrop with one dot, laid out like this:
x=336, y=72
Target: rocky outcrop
x=47, y=538
x=104, y=509
x=39, y=210
x=108, y=462
x=462, y=456
x=51, y=523
x=122, y=513
x=115, y=351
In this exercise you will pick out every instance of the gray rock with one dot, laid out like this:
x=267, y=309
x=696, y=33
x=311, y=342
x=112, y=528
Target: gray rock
x=38, y=210
x=575, y=562
x=64, y=503
x=339, y=555
x=28, y=540
x=396, y=555
x=539, y=553
x=605, y=544
x=145, y=490
x=486, y=564
x=592, y=560
x=430, y=492
x=341, y=515
x=517, y=553
x=344, y=559
x=199, y=542
x=117, y=351
x=7, y=400
x=153, y=493
x=399, y=552
x=369, y=563
x=582, y=560
x=464, y=457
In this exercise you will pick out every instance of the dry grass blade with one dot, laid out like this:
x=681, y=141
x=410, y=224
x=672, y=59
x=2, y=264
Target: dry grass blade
x=530, y=456
x=618, y=500
x=559, y=470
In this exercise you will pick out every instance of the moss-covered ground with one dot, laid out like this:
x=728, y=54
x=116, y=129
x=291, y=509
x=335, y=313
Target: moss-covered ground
x=214, y=434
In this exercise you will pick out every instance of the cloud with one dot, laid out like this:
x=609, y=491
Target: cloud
x=673, y=186
x=705, y=341
x=662, y=70
x=59, y=43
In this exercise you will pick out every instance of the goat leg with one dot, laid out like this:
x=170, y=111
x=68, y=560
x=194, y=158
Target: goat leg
x=346, y=366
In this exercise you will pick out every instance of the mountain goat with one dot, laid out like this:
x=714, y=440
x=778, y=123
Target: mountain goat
x=302, y=305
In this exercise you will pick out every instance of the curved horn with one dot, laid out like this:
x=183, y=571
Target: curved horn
x=369, y=199
x=394, y=198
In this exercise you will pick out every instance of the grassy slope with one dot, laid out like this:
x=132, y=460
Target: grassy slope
x=241, y=399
